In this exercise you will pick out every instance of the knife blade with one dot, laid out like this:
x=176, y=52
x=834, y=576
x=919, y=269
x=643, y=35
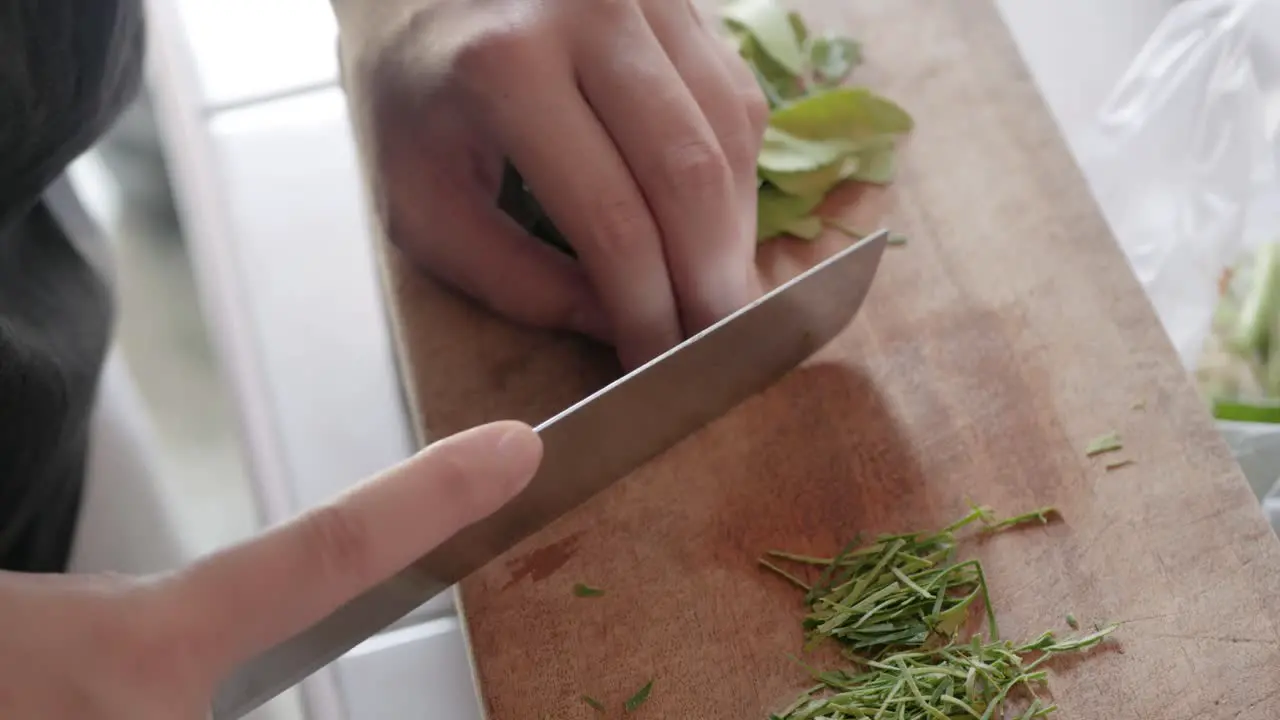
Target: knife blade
x=588, y=447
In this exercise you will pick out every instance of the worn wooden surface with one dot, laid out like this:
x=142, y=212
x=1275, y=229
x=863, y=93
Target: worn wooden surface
x=991, y=349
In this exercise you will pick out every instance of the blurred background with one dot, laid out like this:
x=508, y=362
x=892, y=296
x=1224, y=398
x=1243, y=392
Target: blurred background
x=255, y=357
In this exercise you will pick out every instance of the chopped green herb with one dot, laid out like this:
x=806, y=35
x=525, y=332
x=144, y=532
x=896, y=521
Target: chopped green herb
x=635, y=701
x=1117, y=464
x=897, y=605
x=1104, y=444
x=1072, y=622
x=1040, y=515
x=964, y=680
x=583, y=590
x=594, y=703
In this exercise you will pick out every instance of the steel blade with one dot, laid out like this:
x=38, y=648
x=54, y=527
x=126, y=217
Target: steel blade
x=587, y=448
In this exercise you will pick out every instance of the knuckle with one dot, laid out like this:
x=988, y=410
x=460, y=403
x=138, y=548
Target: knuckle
x=696, y=169
x=490, y=55
x=339, y=542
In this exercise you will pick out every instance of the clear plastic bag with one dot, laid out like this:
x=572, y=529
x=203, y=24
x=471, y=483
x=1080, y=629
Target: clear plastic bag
x=1185, y=156
x=1184, y=160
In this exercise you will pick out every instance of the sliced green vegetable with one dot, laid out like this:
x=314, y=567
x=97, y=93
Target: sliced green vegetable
x=1072, y=622
x=1260, y=411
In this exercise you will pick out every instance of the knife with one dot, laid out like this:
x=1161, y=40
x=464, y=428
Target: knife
x=587, y=448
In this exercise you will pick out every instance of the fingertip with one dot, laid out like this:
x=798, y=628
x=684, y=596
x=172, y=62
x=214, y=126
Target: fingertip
x=502, y=455
x=521, y=449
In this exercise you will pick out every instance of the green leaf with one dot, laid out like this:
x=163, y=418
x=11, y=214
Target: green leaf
x=594, y=703
x=784, y=152
x=833, y=58
x=768, y=23
x=639, y=698
x=798, y=27
x=842, y=113
x=777, y=210
x=813, y=182
x=583, y=590
x=875, y=165
x=778, y=84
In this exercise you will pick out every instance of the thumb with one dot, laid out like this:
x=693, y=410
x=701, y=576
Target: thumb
x=242, y=600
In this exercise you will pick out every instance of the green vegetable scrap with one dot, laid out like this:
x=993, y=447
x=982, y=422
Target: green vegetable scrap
x=641, y=696
x=1238, y=371
x=897, y=606
x=820, y=134
x=1117, y=464
x=898, y=592
x=1072, y=622
x=583, y=590
x=1104, y=444
x=967, y=680
x=594, y=703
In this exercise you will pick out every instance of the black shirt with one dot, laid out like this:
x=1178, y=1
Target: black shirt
x=67, y=70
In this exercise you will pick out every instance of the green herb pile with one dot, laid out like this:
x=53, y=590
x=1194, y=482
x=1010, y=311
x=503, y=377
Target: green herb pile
x=897, y=606
x=820, y=133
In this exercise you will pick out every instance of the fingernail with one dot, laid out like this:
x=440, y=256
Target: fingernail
x=519, y=445
x=504, y=454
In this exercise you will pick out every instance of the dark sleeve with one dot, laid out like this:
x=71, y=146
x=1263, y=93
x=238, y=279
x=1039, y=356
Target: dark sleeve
x=67, y=70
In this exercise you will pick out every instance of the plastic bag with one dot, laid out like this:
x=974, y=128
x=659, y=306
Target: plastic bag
x=1184, y=159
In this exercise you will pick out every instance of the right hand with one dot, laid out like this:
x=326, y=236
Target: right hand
x=105, y=647
x=635, y=126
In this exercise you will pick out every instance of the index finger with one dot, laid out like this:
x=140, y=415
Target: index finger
x=243, y=600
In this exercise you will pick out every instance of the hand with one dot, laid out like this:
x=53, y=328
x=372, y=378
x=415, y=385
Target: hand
x=91, y=647
x=634, y=125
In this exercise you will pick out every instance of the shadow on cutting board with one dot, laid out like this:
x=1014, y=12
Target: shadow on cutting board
x=823, y=459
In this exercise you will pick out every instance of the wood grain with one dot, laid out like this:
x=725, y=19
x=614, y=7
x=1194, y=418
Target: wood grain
x=991, y=349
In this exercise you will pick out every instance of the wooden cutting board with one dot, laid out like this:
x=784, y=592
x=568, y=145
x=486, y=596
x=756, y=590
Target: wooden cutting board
x=992, y=348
